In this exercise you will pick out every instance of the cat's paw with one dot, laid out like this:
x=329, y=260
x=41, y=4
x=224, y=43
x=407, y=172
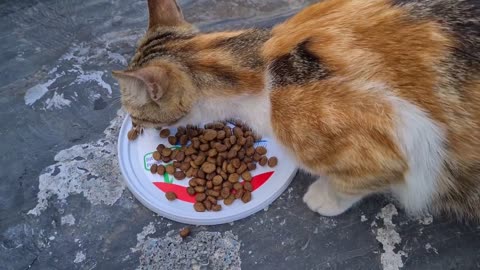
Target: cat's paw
x=322, y=198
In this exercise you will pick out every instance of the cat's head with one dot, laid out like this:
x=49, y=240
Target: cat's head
x=156, y=89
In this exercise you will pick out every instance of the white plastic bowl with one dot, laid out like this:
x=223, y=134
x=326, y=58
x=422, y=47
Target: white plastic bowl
x=135, y=159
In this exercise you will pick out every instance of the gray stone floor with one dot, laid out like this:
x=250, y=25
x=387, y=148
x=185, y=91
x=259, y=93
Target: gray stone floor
x=63, y=204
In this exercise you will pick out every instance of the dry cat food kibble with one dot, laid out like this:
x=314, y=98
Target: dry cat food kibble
x=185, y=232
x=217, y=157
x=171, y=196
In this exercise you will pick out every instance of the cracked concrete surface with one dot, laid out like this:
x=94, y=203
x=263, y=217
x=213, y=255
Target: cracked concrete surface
x=63, y=204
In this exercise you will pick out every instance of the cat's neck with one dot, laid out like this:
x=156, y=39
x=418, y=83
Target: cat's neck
x=254, y=110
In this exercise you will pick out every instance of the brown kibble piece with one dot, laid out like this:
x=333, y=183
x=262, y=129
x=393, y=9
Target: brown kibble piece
x=157, y=156
x=170, y=169
x=200, y=181
x=250, y=141
x=230, y=168
x=225, y=192
x=191, y=191
x=272, y=162
x=190, y=172
x=247, y=196
x=185, y=166
x=160, y=147
x=241, y=141
x=190, y=151
x=208, y=167
x=242, y=169
x=247, y=176
x=233, y=178
x=160, y=170
x=204, y=147
x=221, y=147
x=239, y=194
x=261, y=150
x=263, y=161
x=232, y=139
x=221, y=135
x=231, y=154
x=166, y=152
x=172, y=140
x=227, y=185
x=209, y=184
x=132, y=135
x=236, y=163
x=183, y=140
x=180, y=156
x=212, y=199
x=213, y=193
x=248, y=186
x=217, y=180
x=153, y=168
x=216, y=208
x=200, y=197
x=199, y=189
x=171, y=196
x=208, y=205
x=199, y=160
x=179, y=175
x=229, y=200
x=185, y=232
x=164, y=133
x=251, y=166
x=238, y=132
x=199, y=207
x=212, y=152
x=237, y=186
x=210, y=134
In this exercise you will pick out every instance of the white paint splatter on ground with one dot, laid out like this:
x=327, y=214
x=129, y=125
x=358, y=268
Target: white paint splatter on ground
x=84, y=64
x=390, y=239
x=429, y=248
x=57, y=101
x=79, y=257
x=84, y=169
x=363, y=218
x=68, y=220
x=426, y=220
x=93, y=76
x=142, y=236
x=37, y=92
x=201, y=250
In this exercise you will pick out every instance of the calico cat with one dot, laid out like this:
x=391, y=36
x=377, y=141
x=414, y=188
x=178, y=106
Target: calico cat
x=373, y=96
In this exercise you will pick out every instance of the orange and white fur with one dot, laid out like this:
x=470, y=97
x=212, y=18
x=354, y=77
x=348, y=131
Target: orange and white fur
x=373, y=96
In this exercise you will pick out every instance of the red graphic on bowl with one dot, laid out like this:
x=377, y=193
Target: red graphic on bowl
x=181, y=191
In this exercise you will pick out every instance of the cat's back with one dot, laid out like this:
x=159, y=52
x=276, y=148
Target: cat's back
x=415, y=47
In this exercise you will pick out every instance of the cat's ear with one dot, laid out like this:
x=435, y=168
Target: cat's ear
x=154, y=78
x=164, y=13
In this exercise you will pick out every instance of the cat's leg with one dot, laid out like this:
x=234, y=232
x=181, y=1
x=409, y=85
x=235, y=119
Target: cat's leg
x=323, y=198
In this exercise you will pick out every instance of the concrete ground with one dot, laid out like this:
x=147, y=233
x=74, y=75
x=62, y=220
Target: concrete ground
x=63, y=204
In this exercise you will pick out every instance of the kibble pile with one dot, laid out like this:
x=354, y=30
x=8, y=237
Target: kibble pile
x=217, y=158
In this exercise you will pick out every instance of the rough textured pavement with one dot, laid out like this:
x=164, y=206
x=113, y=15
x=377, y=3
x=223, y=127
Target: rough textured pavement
x=63, y=204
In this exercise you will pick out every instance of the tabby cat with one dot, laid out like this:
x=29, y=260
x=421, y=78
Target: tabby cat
x=372, y=96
